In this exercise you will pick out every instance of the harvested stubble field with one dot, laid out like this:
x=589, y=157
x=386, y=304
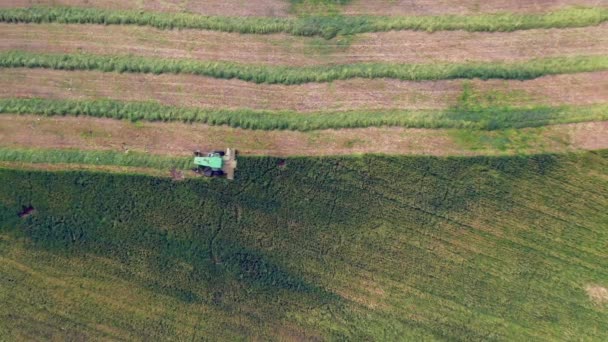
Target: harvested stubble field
x=354, y=94
x=394, y=46
x=492, y=228
x=433, y=7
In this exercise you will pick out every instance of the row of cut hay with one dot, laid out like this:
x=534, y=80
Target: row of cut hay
x=325, y=26
x=298, y=75
x=482, y=118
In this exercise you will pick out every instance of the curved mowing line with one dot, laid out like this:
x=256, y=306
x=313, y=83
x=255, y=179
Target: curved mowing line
x=327, y=27
x=298, y=75
x=471, y=118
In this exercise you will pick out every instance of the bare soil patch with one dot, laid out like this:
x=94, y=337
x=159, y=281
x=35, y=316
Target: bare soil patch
x=597, y=294
x=203, y=92
x=180, y=139
x=582, y=135
x=206, y=7
x=177, y=175
x=462, y=7
x=395, y=46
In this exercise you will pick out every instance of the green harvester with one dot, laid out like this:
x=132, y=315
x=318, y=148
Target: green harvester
x=216, y=163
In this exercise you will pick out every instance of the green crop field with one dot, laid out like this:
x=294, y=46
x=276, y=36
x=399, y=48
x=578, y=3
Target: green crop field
x=358, y=248
x=106, y=235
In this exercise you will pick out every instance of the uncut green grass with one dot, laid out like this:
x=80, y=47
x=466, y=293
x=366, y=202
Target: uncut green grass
x=326, y=26
x=298, y=75
x=467, y=114
x=348, y=248
x=106, y=158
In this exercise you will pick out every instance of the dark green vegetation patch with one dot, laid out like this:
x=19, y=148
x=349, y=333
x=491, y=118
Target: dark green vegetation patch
x=355, y=248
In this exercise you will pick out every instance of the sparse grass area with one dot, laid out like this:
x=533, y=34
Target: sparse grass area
x=297, y=75
x=464, y=115
x=351, y=248
x=312, y=25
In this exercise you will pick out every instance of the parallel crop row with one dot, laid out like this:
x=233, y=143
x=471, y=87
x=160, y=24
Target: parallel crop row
x=298, y=75
x=484, y=118
x=327, y=27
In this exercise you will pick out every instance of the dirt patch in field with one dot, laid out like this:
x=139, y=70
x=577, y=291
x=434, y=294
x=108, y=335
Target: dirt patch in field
x=434, y=7
x=395, y=46
x=206, y=7
x=582, y=135
x=204, y=92
x=181, y=139
x=597, y=294
x=177, y=175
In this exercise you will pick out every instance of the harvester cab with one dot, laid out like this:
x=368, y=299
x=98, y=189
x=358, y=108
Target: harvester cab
x=216, y=163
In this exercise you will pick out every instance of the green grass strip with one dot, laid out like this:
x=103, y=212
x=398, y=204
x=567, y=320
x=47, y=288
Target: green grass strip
x=298, y=75
x=102, y=158
x=326, y=26
x=490, y=118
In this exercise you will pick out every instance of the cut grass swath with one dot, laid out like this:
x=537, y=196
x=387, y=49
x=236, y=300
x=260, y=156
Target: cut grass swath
x=101, y=158
x=483, y=118
x=326, y=26
x=298, y=75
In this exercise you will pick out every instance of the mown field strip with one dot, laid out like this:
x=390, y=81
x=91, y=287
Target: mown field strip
x=394, y=46
x=179, y=139
x=430, y=7
x=281, y=8
x=354, y=94
x=477, y=118
x=325, y=26
x=297, y=75
x=273, y=49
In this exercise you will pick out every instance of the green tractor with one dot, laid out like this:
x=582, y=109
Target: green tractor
x=216, y=163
